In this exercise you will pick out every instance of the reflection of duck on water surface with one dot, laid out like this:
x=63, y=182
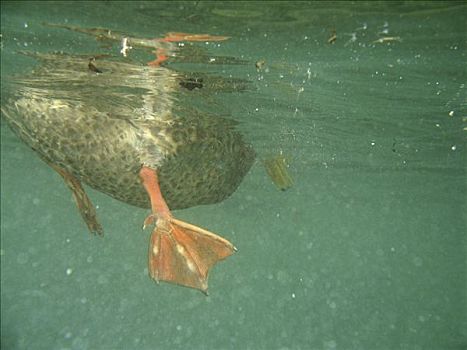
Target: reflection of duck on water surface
x=127, y=130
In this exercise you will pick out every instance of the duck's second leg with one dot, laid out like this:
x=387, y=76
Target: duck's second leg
x=85, y=207
x=179, y=252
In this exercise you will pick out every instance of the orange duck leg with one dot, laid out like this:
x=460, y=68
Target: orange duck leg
x=179, y=252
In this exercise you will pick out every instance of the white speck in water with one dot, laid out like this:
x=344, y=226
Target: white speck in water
x=372, y=143
x=22, y=258
x=451, y=113
x=293, y=295
x=331, y=344
x=68, y=240
x=79, y=343
x=97, y=206
x=454, y=147
x=437, y=125
x=418, y=261
x=69, y=271
x=102, y=279
x=256, y=109
x=26, y=25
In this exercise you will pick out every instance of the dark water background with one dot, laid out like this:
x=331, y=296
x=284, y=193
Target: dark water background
x=366, y=251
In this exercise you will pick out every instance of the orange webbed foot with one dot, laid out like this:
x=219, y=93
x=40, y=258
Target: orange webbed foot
x=182, y=253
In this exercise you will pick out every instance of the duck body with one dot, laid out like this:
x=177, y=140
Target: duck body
x=103, y=127
x=142, y=135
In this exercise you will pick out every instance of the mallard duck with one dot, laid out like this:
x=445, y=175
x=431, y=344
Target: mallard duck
x=127, y=130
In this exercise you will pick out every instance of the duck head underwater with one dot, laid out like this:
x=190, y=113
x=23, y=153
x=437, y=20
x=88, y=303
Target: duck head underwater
x=135, y=132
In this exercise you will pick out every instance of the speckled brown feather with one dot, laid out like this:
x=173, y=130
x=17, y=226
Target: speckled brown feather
x=102, y=127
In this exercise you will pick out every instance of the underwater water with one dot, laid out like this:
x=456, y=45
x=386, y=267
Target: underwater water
x=366, y=250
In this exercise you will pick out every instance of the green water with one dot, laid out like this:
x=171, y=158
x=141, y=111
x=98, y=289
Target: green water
x=366, y=251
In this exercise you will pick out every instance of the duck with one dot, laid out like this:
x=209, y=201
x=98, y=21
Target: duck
x=137, y=133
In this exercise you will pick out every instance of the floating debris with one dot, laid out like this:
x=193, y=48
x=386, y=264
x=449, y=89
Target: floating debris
x=260, y=64
x=386, y=39
x=92, y=67
x=125, y=47
x=276, y=167
x=332, y=39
